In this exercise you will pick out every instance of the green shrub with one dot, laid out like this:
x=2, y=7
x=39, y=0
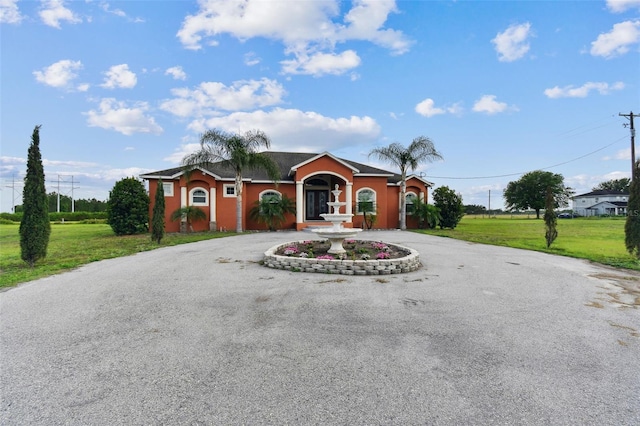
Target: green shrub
x=128, y=207
x=449, y=204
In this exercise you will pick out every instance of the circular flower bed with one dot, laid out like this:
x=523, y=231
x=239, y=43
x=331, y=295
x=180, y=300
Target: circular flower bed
x=361, y=258
x=355, y=250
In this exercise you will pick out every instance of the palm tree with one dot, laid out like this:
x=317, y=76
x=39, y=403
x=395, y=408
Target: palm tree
x=190, y=214
x=272, y=210
x=421, y=149
x=239, y=152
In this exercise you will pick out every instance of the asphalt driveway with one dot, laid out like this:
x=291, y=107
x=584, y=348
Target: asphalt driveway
x=203, y=334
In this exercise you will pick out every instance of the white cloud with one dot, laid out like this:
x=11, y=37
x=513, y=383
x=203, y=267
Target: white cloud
x=119, y=76
x=489, y=105
x=66, y=163
x=61, y=75
x=365, y=22
x=12, y=160
x=251, y=59
x=618, y=6
x=209, y=97
x=122, y=118
x=583, y=182
x=52, y=12
x=308, y=29
x=623, y=154
x=322, y=63
x=9, y=12
x=617, y=41
x=184, y=150
x=582, y=91
x=295, y=130
x=428, y=109
x=118, y=12
x=176, y=72
x=118, y=174
x=511, y=44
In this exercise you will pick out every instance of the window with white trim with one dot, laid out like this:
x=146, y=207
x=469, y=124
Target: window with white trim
x=167, y=187
x=199, y=197
x=410, y=199
x=270, y=194
x=229, y=190
x=366, y=201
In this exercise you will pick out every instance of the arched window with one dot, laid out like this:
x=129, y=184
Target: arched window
x=410, y=198
x=270, y=194
x=366, y=201
x=199, y=197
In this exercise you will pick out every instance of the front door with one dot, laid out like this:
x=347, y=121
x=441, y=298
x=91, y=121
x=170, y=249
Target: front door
x=316, y=203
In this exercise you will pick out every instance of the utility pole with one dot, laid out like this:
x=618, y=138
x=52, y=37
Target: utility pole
x=73, y=201
x=633, y=138
x=58, y=209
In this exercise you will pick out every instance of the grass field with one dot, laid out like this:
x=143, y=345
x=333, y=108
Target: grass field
x=75, y=244
x=597, y=239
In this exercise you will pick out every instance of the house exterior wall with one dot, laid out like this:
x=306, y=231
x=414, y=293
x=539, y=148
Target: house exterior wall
x=379, y=185
x=581, y=204
x=171, y=203
x=252, y=194
x=220, y=208
x=226, y=206
x=393, y=206
x=416, y=187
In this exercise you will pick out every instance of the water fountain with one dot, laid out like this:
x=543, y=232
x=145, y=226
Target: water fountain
x=297, y=256
x=337, y=233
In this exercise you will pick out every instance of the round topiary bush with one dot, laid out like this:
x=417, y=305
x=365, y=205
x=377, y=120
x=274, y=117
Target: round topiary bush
x=128, y=207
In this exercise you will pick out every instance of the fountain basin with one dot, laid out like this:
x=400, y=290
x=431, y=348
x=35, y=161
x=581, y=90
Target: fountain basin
x=409, y=263
x=336, y=236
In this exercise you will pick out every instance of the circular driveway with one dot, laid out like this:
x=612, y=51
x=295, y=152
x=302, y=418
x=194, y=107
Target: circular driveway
x=203, y=334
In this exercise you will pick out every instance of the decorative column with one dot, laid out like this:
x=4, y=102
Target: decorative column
x=349, y=200
x=212, y=209
x=183, y=203
x=299, y=202
x=183, y=196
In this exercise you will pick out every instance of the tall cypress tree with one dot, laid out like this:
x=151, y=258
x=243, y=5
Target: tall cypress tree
x=632, y=226
x=157, y=221
x=550, y=218
x=34, y=226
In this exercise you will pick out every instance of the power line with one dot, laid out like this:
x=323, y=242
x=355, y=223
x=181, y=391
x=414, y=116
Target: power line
x=521, y=173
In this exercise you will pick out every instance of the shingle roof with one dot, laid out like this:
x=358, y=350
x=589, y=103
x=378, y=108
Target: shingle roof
x=601, y=192
x=284, y=160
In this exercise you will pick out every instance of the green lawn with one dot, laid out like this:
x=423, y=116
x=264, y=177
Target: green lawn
x=75, y=244
x=597, y=239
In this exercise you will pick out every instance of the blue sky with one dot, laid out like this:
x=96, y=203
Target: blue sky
x=501, y=88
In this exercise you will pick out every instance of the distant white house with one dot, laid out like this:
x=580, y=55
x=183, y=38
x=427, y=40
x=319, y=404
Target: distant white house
x=596, y=203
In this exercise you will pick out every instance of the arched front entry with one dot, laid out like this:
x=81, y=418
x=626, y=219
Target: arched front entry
x=313, y=193
x=316, y=197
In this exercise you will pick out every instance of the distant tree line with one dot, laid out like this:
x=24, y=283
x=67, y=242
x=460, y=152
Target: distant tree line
x=80, y=205
x=617, y=185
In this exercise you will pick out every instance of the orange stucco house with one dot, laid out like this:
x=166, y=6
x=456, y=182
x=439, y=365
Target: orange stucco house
x=304, y=177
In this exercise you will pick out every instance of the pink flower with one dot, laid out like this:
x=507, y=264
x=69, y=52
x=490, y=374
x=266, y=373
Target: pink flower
x=325, y=256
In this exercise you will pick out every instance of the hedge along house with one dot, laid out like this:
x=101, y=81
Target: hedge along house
x=306, y=178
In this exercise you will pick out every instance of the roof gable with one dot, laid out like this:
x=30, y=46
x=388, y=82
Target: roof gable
x=324, y=154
